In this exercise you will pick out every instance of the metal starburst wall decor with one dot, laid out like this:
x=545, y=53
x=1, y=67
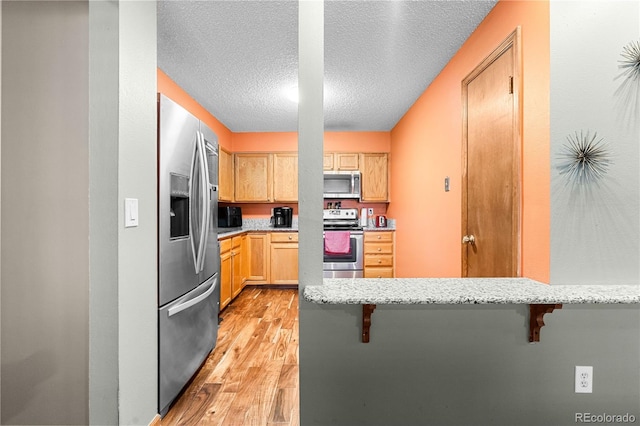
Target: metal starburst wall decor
x=586, y=158
x=630, y=63
x=628, y=93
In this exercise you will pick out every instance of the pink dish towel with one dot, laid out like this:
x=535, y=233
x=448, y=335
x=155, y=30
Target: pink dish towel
x=337, y=242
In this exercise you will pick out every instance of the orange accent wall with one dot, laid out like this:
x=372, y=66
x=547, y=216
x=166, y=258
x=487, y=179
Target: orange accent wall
x=426, y=146
x=333, y=141
x=169, y=88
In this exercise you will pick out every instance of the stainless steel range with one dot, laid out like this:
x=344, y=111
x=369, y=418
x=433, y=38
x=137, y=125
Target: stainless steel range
x=343, y=244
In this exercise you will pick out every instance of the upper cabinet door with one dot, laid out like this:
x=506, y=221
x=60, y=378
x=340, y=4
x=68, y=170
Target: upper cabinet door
x=345, y=161
x=253, y=177
x=340, y=161
x=327, y=161
x=285, y=177
x=375, y=176
x=225, y=176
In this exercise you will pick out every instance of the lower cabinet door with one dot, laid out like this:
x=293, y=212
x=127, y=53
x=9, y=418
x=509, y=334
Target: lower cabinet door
x=225, y=279
x=284, y=263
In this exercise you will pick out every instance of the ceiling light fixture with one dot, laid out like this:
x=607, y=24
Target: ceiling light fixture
x=292, y=94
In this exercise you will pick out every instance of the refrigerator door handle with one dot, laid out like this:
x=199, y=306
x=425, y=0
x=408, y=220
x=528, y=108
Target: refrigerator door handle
x=194, y=160
x=206, y=210
x=189, y=303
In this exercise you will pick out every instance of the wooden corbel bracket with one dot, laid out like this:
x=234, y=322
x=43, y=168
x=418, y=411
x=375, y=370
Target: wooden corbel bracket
x=536, y=319
x=367, y=310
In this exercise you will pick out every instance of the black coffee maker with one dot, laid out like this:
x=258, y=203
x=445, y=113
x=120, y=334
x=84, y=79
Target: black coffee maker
x=282, y=217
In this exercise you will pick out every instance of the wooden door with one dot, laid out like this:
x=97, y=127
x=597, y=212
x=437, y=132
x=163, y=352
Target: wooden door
x=491, y=166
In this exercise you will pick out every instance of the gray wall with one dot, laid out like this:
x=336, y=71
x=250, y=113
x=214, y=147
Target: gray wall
x=137, y=247
x=78, y=290
x=45, y=219
x=472, y=365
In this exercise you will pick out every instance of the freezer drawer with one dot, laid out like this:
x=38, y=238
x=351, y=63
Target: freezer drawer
x=188, y=330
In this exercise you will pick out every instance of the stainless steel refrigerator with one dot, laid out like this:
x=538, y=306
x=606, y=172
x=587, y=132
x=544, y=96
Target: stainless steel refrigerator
x=188, y=249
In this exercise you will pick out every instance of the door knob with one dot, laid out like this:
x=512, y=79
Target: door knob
x=468, y=239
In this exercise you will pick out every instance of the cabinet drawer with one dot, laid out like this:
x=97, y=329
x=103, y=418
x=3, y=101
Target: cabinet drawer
x=235, y=242
x=284, y=237
x=370, y=237
x=225, y=245
x=378, y=272
x=378, y=260
x=378, y=248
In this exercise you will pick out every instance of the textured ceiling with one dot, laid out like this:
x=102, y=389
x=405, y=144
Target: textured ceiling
x=239, y=58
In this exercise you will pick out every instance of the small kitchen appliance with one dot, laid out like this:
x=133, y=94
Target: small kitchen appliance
x=342, y=184
x=229, y=217
x=363, y=217
x=282, y=217
x=381, y=221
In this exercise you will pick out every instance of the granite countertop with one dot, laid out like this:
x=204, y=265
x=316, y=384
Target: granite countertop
x=447, y=291
x=264, y=225
x=254, y=225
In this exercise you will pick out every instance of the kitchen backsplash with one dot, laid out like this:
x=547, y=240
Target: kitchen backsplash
x=265, y=224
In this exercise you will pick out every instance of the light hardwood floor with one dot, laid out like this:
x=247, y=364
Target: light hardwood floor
x=251, y=377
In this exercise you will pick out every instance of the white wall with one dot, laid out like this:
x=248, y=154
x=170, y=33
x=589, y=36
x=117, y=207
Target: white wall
x=595, y=227
x=473, y=365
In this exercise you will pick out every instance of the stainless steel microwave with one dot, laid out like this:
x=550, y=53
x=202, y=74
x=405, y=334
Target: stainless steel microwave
x=342, y=184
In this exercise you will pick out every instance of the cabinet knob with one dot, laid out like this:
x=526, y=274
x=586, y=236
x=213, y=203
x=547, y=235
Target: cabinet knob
x=378, y=236
x=379, y=249
x=290, y=237
x=379, y=261
x=379, y=276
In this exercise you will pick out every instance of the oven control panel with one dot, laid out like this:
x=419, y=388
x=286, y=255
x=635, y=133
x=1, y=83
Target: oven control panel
x=340, y=214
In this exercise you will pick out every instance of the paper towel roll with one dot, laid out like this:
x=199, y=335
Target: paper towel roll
x=363, y=217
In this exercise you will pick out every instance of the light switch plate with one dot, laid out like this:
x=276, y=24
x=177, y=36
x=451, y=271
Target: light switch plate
x=130, y=212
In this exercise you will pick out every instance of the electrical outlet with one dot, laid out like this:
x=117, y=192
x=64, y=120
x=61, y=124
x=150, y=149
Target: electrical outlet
x=584, y=379
x=370, y=212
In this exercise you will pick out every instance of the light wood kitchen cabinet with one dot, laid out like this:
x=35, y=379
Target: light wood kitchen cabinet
x=244, y=253
x=374, y=168
x=340, y=161
x=253, y=177
x=225, y=176
x=226, y=271
x=231, y=269
x=378, y=254
x=285, y=177
x=284, y=258
x=258, y=262
x=236, y=266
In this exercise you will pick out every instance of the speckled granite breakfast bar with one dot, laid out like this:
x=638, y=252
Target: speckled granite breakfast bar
x=464, y=291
